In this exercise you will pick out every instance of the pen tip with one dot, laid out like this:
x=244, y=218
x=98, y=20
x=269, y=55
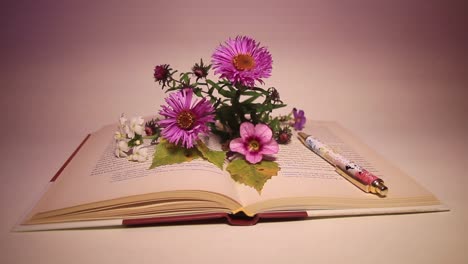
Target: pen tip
x=380, y=187
x=383, y=190
x=302, y=135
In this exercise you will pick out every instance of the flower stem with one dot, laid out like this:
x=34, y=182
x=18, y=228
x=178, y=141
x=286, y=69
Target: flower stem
x=236, y=105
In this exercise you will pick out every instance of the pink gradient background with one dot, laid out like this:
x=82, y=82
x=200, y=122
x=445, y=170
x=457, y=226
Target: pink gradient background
x=393, y=72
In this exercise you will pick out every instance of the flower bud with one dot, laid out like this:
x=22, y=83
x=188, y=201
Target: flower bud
x=162, y=73
x=200, y=70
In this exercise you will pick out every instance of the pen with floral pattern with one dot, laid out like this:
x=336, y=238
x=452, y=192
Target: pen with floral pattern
x=354, y=173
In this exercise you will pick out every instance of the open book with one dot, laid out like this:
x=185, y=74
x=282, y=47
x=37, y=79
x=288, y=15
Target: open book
x=94, y=188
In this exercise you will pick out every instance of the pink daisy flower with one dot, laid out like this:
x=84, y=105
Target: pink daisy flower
x=255, y=141
x=184, y=119
x=242, y=60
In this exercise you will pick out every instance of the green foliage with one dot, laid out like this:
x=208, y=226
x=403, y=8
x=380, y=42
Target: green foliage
x=253, y=175
x=215, y=157
x=167, y=153
x=233, y=104
x=137, y=140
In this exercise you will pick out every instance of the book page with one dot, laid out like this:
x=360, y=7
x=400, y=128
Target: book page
x=306, y=175
x=95, y=174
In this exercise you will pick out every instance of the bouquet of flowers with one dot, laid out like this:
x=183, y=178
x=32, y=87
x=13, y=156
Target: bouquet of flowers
x=231, y=109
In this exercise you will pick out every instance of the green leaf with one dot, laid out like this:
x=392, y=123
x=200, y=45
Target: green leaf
x=275, y=124
x=228, y=94
x=215, y=157
x=227, y=116
x=185, y=78
x=213, y=84
x=167, y=153
x=253, y=175
x=210, y=91
x=198, y=92
x=250, y=93
x=268, y=107
x=251, y=99
x=172, y=89
x=137, y=140
x=263, y=91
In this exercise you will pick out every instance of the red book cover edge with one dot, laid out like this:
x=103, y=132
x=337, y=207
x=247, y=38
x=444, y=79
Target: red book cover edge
x=69, y=159
x=232, y=219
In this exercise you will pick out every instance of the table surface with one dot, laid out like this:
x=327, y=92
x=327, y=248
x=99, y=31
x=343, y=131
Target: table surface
x=393, y=73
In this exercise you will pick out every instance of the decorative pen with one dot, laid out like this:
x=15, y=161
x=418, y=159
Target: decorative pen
x=357, y=175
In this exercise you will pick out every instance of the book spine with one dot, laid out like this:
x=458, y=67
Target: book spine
x=231, y=219
x=174, y=219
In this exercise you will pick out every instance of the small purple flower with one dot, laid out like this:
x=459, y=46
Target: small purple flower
x=184, y=119
x=299, y=119
x=242, y=61
x=255, y=141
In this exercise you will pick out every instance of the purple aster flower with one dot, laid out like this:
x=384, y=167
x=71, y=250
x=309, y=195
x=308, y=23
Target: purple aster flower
x=184, y=119
x=242, y=61
x=299, y=119
x=255, y=141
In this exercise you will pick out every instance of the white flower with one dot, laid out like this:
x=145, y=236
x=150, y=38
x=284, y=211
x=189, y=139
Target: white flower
x=122, y=120
x=139, y=154
x=119, y=135
x=123, y=127
x=136, y=127
x=121, y=149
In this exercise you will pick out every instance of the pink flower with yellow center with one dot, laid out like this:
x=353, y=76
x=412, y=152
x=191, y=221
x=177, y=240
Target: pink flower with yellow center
x=184, y=119
x=242, y=60
x=255, y=141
